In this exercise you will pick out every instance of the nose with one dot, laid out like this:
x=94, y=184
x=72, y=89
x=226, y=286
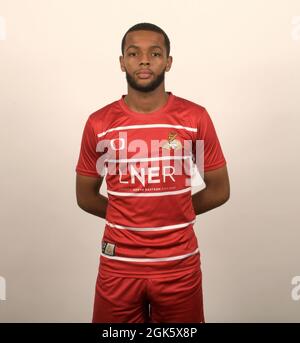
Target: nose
x=145, y=59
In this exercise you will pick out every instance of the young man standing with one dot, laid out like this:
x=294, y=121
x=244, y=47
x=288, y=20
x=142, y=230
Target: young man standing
x=149, y=268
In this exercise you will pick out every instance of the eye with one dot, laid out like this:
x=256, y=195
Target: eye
x=131, y=53
x=157, y=53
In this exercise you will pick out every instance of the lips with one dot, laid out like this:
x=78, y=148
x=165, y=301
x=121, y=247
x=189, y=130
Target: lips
x=144, y=74
x=144, y=71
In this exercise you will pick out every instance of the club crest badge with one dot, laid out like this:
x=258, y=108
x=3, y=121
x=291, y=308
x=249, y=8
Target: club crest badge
x=108, y=248
x=172, y=142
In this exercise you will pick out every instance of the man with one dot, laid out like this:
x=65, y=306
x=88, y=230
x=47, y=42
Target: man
x=149, y=268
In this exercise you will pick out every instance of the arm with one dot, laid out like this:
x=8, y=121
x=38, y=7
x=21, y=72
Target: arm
x=88, y=197
x=216, y=193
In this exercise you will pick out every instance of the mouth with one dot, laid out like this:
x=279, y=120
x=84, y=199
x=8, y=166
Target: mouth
x=144, y=74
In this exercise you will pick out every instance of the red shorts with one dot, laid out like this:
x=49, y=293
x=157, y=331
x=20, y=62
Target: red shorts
x=174, y=298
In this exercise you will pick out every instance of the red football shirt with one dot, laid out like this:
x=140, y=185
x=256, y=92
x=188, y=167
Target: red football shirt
x=149, y=220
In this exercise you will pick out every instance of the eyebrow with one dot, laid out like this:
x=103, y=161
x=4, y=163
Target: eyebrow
x=135, y=46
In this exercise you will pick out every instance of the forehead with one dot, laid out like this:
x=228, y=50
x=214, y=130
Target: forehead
x=144, y=38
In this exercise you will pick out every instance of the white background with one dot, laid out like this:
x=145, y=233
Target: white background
x=59, y=63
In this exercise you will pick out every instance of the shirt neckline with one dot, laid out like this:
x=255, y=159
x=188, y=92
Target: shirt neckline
x=163, y=108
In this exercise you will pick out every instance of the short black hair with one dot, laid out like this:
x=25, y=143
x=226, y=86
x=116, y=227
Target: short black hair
x=147, y=27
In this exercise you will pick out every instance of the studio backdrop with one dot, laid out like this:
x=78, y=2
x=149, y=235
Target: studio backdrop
x=59, y=62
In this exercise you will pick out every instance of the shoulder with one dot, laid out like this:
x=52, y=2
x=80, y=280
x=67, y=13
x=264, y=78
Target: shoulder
x=188, y=103
x=101, y=118
x=103, y=112
x=191, y=109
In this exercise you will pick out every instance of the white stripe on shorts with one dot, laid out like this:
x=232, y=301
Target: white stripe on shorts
x=157, y=259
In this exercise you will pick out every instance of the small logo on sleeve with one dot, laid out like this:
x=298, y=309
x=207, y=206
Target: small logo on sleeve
x=108, y=248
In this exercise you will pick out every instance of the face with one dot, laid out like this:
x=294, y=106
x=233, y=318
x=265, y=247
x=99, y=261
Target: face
x=145, y=51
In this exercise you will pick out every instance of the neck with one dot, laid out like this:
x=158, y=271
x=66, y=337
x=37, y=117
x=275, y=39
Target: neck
x=146, y=102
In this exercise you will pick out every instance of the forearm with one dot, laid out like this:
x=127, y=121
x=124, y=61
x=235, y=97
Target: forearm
x=96, y=205
x=207, y=199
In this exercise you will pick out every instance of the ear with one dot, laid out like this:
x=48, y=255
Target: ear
x=169, y=63
x=121, y=59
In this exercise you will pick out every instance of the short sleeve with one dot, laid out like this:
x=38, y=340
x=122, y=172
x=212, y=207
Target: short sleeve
x=88, y=155
x=213, y=154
